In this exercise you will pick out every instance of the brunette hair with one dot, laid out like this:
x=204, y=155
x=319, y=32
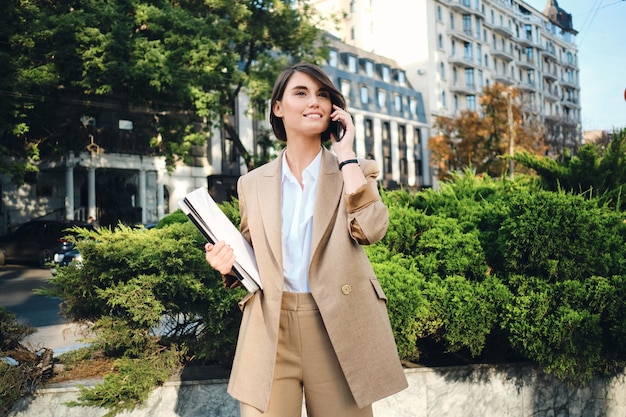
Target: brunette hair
x=279, y=89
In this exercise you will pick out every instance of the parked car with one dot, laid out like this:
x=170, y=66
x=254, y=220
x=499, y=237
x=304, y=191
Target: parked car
x=36, y=241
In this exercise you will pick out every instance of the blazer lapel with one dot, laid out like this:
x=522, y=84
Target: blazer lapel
x=328, y=195
x=270, y=209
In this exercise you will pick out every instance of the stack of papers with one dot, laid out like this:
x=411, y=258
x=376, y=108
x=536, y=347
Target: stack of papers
x=215, y=226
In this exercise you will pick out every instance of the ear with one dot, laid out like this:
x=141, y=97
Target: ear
x=277, y=110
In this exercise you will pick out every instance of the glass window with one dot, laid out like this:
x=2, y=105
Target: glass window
x=440, y=41
x=467, y=24
x=369, y=68
x=381, y=97
x=345, y=88
x=443, y=99
x=364, y=94
x=397, y=102
x=442, y=70
x=439, y=14
x=413, y=105
x=469, y=78
x=471, y=102
x=333, y=58
x=352, y=65
x=401, y=78
x=386, y=73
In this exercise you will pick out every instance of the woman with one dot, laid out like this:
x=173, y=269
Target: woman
x=320, y=324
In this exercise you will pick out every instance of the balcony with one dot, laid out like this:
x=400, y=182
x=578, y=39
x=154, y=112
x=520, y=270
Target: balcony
x=569, y=83
x=503, y=30
x=502, y=54
x=551, y=94
x=550, y=75
x=461, y=6
x=549, y=54
x=463, y=88
x=527, y=40
x=571, y=102
x=462, y=60
x=527, y=86
x=526, y=62
x=465, y=35
x=503, y=79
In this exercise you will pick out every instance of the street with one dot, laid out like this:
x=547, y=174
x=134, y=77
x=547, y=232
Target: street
x=17, y=285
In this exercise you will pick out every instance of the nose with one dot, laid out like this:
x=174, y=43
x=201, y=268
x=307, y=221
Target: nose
x=314, y=101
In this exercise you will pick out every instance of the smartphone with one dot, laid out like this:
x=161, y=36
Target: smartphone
x=337, y=129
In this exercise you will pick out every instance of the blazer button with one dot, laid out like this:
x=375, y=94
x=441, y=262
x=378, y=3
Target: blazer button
x=346, y=289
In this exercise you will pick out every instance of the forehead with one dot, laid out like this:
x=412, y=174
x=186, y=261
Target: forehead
x=302, y=79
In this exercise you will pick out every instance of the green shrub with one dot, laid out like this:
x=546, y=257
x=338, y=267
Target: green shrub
x=155, y=303
x=560, y=236
x=406, y=304
x=14, y=379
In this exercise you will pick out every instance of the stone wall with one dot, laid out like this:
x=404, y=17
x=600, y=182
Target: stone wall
x=468, y=391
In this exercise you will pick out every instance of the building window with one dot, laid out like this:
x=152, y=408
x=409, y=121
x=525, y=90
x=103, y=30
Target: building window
x=443, y=99
x=333, y=58
x=451, y=20
x=386, y=73
x=397, y=102
x=456, y=103
x=352, y=66
x=364, y=94
x=413, y=106
x=345, y=87
x=467, y=24
x=369, y=68
x=480, y=80
x=401, y=78
x=479, y=53
x=469, y=78
x=353, y=33
x=381, y=98
x=369, y=139
x=440, y=41
x=468, y=51
x=439, y=14
x=442, y=70
x=471, y=102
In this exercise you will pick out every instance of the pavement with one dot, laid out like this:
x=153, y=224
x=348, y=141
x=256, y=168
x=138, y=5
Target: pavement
x=17, y=294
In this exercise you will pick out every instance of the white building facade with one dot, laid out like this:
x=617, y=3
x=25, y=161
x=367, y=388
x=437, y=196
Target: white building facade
x=451, y=49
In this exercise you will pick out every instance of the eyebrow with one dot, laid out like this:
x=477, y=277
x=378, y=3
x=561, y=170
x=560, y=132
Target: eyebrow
x=302, y=87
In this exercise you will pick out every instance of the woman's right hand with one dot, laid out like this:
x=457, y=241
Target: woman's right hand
x=220, y=256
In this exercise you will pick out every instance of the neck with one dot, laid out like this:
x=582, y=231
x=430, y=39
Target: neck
x=300, y=155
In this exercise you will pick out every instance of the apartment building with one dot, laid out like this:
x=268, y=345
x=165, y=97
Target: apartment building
x=451, y=49
x=389, y=115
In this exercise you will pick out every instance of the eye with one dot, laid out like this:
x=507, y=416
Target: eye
x=325, y=94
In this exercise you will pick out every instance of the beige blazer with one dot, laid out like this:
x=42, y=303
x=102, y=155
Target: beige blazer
x=350, y=299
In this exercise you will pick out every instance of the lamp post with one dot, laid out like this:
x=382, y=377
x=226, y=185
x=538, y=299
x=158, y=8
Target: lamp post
x=509, y=96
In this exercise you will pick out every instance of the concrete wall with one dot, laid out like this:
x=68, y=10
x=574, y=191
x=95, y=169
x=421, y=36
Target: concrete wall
x=469, y=391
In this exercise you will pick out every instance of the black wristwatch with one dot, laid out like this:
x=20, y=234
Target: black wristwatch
x=348, y=161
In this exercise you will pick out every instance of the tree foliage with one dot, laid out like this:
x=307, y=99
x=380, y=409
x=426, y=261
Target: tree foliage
x=481, y=139
x=181, y=65
x=595, y=171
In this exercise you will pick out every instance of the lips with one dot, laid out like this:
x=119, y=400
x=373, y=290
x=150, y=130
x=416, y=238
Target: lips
x=313, y=115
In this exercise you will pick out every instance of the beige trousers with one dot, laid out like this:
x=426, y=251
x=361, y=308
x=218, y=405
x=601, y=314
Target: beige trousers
x=306, y=364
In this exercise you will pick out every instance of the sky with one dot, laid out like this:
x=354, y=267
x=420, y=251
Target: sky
x=601, y=40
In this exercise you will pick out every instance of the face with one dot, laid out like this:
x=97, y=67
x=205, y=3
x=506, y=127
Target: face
x=305, y=107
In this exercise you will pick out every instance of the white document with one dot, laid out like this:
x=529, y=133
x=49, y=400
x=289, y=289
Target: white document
x=215, y=226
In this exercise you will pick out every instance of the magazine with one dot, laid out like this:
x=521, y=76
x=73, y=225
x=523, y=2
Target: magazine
x=215, y=226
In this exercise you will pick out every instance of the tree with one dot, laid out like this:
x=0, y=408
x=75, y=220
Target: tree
x=596, y=171
x=482, y=140
x=181, y=65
